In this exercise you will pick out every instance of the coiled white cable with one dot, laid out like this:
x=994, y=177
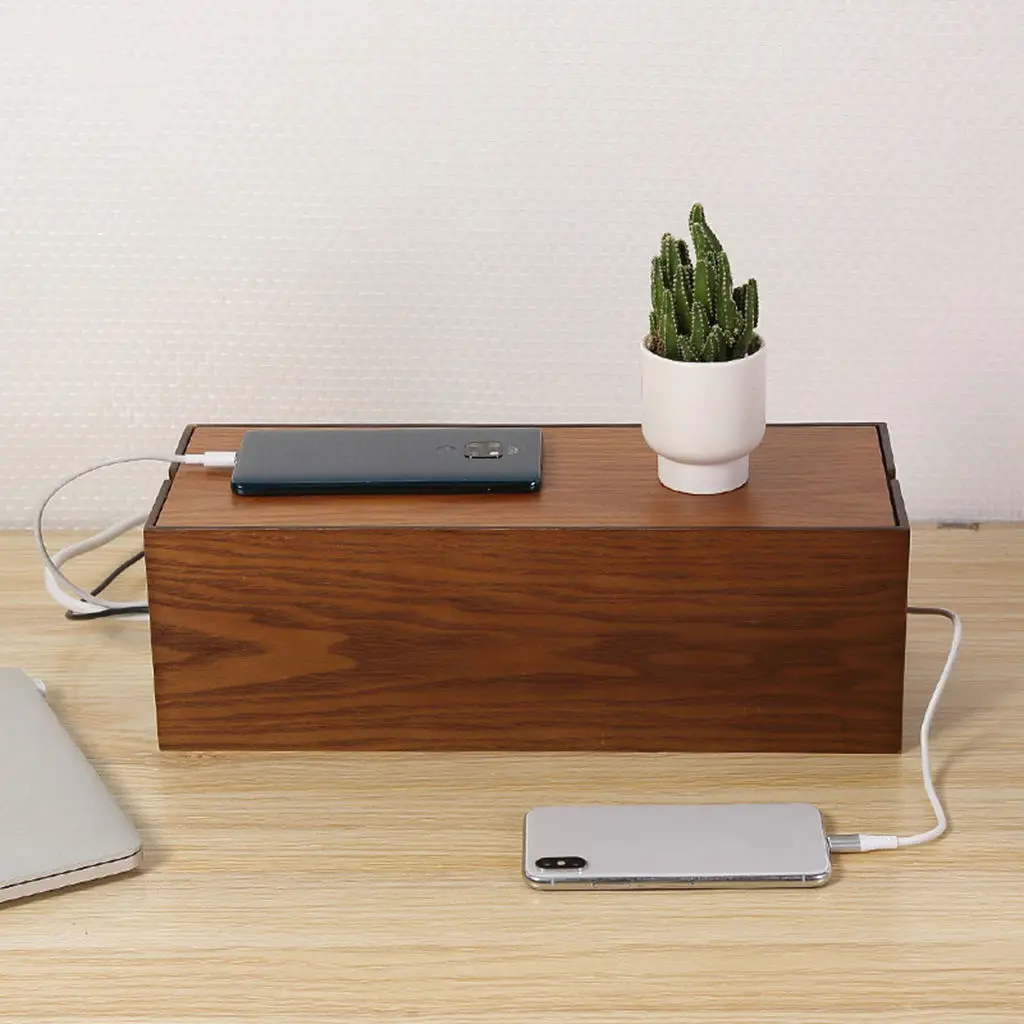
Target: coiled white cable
x=53, y=587
x=67, y=593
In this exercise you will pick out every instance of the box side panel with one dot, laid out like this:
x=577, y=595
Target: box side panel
x=165, y=488
x=529, y=640
x=885, y=444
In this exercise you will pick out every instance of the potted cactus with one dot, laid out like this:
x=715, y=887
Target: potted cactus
x=703, y=366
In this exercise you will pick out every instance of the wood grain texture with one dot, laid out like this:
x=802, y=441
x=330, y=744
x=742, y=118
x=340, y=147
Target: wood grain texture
x=811, y=476
x=606, y=613
x=529, y=639
x=367, y=887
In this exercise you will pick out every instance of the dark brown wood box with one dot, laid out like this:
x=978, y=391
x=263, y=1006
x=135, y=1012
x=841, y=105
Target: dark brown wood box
x=603, y=613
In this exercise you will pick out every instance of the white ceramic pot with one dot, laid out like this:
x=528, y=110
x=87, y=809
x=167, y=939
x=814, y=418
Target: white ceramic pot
x=703, y=419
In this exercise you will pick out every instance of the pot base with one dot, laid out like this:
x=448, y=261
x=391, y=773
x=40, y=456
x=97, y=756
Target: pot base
x=693, y=479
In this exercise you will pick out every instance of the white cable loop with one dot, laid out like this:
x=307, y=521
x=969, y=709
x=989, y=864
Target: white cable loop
x=53, y=587
x=68, y=594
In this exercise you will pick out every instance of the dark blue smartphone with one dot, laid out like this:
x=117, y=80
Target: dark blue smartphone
x=388, y=460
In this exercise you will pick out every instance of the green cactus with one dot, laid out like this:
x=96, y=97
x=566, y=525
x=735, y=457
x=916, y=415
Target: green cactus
x=697, y=217
x=687, y=276
x=697, y=314
x=684, y=253
x=657, y=287
x=693, y=347
x=681, y=304
x=744, y=340
x=715, y=345
x=669, y=336
x=702, y=286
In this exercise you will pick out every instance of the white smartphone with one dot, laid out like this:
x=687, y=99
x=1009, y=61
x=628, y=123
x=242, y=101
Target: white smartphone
x=669, y=846
x=59, y=825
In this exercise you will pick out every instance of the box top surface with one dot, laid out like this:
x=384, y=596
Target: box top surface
x=809, y=476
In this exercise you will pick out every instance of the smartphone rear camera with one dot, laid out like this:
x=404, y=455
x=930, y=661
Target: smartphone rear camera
x=561, y=863
x=484, y=450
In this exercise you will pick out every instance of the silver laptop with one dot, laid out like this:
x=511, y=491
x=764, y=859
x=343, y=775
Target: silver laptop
x=59, y=825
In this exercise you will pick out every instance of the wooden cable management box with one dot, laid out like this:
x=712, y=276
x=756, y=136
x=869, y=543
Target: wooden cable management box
x=602, y=613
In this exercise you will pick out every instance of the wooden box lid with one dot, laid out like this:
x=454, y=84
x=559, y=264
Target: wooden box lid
x=833, y=476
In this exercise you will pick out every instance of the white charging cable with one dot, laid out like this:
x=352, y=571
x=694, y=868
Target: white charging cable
x=68, y=594
x=77, y=605
x=862, y=842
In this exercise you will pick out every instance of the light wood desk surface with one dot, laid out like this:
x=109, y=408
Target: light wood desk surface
x=386, y=887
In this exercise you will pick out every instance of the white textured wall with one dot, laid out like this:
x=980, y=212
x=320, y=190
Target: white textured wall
x=444, y=211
